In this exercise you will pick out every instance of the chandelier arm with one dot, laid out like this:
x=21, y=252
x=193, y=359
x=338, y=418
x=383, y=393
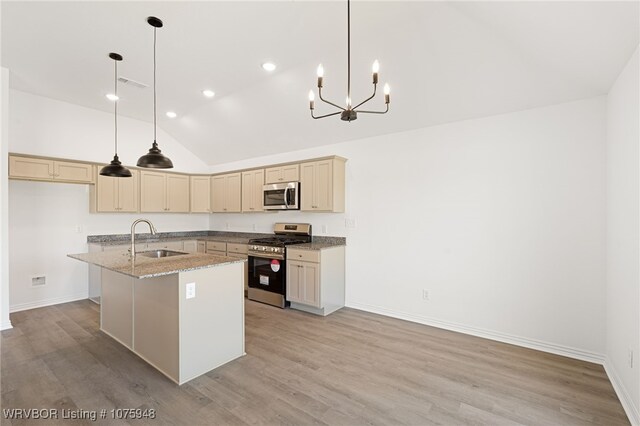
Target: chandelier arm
x=326, y=115
x=369, y=98
x=326, y=101
x=375, y=112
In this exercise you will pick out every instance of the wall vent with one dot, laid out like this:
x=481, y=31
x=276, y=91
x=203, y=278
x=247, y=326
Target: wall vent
x=133, y=83
x=38, y=280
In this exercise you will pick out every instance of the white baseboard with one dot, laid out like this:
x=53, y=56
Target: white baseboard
x=48, y=302
x=630, y=408
x=487, y=334
x=6, y=325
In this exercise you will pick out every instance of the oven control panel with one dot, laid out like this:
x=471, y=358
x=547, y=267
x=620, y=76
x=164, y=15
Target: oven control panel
x=267, y=249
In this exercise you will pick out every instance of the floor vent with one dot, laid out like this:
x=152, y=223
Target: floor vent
x=38, y=280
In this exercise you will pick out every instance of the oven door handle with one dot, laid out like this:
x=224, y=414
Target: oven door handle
x=267, y=256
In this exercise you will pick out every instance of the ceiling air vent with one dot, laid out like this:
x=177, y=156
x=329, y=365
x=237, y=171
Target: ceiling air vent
x=125, y=80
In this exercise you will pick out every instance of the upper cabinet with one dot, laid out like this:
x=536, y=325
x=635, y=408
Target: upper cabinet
x=49, y=170
x=115, y=194
x=288, y=173
x=200, y=194
x=252, y=183
x=164, y=192
x=226, y=193
x=322, y=185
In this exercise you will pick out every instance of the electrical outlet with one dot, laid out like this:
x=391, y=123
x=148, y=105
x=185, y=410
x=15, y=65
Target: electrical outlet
x=325, y=229
x=79, y=229
x=630, y=358
x=350, y=223
x=425, y=294
x=191, y=290
x=255, y=227
x=227, y=225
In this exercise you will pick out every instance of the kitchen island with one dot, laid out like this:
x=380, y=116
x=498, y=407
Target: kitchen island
x=183, y=314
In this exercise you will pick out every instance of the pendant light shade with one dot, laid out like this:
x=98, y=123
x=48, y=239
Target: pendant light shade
x=154, y=159
x=115, y=168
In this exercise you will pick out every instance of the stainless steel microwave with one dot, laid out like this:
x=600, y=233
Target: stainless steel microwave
x=281, y=196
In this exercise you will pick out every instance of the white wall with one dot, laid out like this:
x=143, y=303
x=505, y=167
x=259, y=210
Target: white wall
x=44, y=126
x=623, y=236
x=501, y=219
x=44, y=217
x=4, y=206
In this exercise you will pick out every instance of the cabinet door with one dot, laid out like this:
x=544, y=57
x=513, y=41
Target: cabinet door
x=252, y=183
x=127, y=200
x=152, y=192
x=202, y=247
x=30, y=168
x=294, y=280
x=177, y=193
x=218, y=194
x=307, y=185
x=200, y=194
x=190, y=246
x=72, y=172
x=234, y=193
x=273, y=175
x=107, y=193
x=323, y=185
x=291, y=173
x=311, y=284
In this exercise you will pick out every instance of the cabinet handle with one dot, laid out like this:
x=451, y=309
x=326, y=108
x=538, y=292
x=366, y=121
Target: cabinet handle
x=280, y=178
x=299, y=256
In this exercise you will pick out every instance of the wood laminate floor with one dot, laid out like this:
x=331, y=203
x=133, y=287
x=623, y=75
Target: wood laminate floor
x=350, y=368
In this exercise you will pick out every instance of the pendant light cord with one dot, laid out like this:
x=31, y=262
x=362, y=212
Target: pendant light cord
x=154, y=85
x=115, y=90
x=349, y=52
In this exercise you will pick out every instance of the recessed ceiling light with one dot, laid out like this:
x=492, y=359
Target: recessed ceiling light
x=112, y=97
x=269, y=66
x=208, y=93
x=171, y=114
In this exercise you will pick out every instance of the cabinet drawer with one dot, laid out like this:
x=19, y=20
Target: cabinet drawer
x=236, y=248
x=304, y=255
x=168, y=245
x=217, y=252
x=216, y=245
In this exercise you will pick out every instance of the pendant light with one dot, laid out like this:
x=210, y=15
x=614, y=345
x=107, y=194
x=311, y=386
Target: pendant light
x=349, y=113
x=115, y=169
x=154, y=158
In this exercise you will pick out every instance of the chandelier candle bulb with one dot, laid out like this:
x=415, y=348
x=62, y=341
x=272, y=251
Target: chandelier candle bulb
x=311, y=98
x=375, y=68
x=386, y=93
x=320, y=75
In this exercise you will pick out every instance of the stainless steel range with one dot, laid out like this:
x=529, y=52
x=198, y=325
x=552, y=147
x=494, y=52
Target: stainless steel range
x=268, y=262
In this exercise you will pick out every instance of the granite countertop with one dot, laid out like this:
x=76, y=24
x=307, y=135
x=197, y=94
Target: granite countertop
x=146, y=267
x=317, y=245
x=319, y=242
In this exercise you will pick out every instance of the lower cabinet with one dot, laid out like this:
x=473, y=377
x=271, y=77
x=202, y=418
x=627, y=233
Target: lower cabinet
x=315, y=279
x=190, y=246
x=202, y=246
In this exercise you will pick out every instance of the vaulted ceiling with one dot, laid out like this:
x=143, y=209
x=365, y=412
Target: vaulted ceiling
x=444, y=61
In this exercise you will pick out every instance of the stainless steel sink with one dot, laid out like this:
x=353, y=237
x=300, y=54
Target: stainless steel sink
x=157, y=254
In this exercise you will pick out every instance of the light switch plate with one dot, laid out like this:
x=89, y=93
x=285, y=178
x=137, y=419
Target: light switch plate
x=191, y=290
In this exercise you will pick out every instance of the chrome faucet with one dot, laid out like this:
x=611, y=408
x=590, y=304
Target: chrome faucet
x=133, y=234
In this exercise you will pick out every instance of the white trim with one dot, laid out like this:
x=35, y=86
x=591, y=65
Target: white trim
x=627, y=402
x=487, y=334
x=6, y=326
x=48, y=302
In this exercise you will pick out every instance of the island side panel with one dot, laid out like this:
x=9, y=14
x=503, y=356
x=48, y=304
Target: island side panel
x=116, y=307
x=212, y=322
x=155, y=323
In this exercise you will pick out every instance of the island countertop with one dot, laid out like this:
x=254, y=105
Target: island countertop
x=146, y=267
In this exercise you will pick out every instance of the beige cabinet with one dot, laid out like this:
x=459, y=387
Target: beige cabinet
x=322, y=185
x=200, y=194
x=303, y=283
x=252, y=185
x=288, y=173
x=226, y=193
x=119, y=195
x=217, y=247
x=190, y=246
x=30, y=168
x=164, y=192
x=202, y=246
x=166, y=245
x=316, y=279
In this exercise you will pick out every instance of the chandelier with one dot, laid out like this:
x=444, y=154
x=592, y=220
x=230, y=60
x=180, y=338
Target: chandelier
x=349, y=113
